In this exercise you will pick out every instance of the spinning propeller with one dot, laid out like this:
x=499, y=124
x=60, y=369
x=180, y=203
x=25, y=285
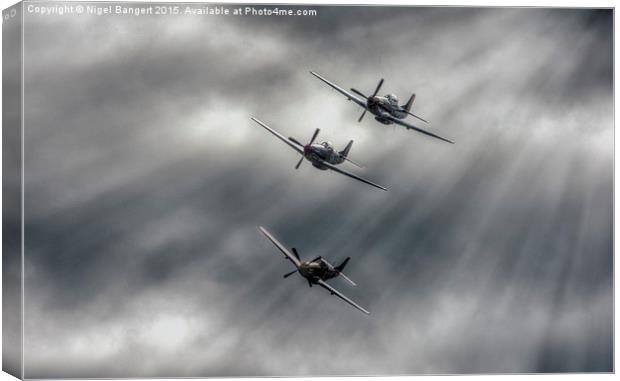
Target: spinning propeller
x=296, y=254
x=316, y=133
x=370, y=101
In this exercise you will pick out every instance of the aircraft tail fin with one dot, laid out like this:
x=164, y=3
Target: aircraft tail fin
x=341, y=266
x=345, y=151
x=407, y=106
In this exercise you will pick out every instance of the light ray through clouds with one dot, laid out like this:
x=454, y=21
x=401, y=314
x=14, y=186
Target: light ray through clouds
x=146, y=179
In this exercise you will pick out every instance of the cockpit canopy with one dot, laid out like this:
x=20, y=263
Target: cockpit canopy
x=392, y=99
x=327, y=145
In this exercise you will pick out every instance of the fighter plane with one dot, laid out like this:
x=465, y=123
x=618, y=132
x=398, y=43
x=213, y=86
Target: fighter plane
x=322, y=156
x=316, y=271
x=385, y=109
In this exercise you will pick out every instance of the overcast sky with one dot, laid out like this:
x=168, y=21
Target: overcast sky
x=145, y=182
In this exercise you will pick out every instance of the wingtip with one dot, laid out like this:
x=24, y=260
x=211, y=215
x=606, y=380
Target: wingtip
x=444, y=139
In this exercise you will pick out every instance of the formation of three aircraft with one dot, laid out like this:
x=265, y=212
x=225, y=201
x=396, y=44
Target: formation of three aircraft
x=323, y=156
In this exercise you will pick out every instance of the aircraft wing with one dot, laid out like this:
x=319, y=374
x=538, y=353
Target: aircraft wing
x=402, y=123
x=280, y=136
x=347, y=94
x=290, y=256
x=336, y=169
x=333, y=291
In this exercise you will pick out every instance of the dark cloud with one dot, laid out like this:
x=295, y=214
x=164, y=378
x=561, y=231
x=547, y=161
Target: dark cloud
x=145, y=181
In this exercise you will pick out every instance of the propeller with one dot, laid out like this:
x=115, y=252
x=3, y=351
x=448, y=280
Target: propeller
x=362, y=117
x=369, y=100
x=299, y=162
x=289, y=274
x=359, y=93
x=378, y=87
x=316, y=133
x=295, y=253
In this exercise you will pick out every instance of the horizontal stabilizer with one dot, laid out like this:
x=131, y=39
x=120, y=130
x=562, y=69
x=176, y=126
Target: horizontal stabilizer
x=341, y=267
x=358, y=165
x=348, y=279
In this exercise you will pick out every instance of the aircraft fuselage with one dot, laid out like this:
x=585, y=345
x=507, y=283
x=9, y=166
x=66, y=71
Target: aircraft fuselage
x=381, y=107
x=324, y=152
x=313, y=271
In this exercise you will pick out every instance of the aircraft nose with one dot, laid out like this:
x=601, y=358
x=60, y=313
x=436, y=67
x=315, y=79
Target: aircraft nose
x=307, y=149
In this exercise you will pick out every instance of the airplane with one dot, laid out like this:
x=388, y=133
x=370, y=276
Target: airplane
x=322, y=156
x=316, y=271
x=385, y=109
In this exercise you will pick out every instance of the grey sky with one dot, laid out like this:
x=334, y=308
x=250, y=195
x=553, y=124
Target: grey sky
x=145, y=181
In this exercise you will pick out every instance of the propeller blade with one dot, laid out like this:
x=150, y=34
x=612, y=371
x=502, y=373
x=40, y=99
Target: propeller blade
x=359, y=93
x=299, y=162
x=295, y=141
x=295, y=253
x=316, y=133
x=289, y=274
x=362, y=117
x=378, y=87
